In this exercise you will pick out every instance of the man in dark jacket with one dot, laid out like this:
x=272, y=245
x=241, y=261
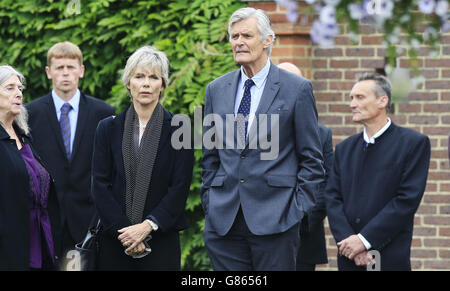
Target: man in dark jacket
x=63, y=125
x=313, y=248
x=376, y=184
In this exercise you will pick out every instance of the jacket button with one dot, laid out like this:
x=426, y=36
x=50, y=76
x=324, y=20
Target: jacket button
x=243, y=156
x=358, y=220
x=242, y=180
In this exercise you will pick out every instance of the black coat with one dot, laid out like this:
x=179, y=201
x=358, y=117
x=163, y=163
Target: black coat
x=15, y=205
x=313, y=248
x=72, y=178
x=168, y=191
x=375, y=190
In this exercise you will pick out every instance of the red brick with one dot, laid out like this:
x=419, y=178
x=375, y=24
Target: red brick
x=446, y=50
x=438, y=220
x=437, y=63
x=345, y=131
x=327, y=52
x=445, y=85
x=422, y=96
x=360, y=52
x=327, y=120
x=424, y=231
x=342, y=85
x=319, y=86
x=423, y=119
x=407, y=108
x=446, y=73
x=444, y=254
x=443, y=107
x=437, y=265
x=435, y=130
x=377, y=63
x=444, y=231
x=371, y=40
x=347, y=63
x=294, y=40
x=425, y=254
x=327, y=75
x=408, y=63
x=324, y=97
x=319, y=63
x=437, y=198
x=444, y=210
x=268, y=7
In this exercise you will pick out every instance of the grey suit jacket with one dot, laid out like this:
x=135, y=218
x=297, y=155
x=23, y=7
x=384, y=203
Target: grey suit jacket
x=274, y=194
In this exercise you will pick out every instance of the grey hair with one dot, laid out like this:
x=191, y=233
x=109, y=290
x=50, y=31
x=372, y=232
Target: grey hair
x=382, y=86
x=147, y=55
x=264, y=24
x=21, y=119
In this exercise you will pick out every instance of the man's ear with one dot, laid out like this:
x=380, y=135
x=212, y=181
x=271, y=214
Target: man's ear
x=47, y=71
x=82, y=71
x=268, y=41
x=383, y=101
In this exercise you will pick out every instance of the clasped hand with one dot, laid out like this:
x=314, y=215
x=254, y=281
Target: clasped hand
x=354, y=249
x=132, y=237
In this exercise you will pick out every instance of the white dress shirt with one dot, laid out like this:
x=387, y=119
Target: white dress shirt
x=255, y=91
x=73, y=114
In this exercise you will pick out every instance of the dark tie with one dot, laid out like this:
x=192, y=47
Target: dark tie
x=64, y=122
x=244, y=107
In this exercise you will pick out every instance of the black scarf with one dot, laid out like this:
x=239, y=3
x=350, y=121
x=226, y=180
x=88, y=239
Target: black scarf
x=139, y=160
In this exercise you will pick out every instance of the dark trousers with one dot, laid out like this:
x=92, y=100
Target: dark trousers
x=240, y=250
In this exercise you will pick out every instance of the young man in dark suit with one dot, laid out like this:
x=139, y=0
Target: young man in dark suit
x=63, y=125
x=376, y=183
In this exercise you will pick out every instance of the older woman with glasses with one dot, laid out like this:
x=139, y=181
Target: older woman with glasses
x=29, y=212
x=140, y=183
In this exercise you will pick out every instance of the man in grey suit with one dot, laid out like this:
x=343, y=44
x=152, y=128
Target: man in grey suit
x=254, y=203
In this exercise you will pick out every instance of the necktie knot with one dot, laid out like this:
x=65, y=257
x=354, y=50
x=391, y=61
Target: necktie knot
x=249, y=83
x=66, y=108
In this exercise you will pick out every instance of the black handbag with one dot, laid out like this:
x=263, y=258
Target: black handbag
x=89, y=249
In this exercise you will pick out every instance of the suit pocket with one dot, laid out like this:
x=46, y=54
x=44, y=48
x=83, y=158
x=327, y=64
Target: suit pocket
x=282, y=181
x=218, y=181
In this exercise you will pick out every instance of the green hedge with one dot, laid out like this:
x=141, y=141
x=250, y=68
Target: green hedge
x=191, y=32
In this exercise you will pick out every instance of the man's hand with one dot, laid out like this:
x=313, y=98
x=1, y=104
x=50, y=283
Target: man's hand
x=351, y=246
x=363, y=259
x=132, y=236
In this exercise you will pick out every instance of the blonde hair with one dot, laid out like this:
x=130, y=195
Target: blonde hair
x=21, y=119
x=147, y=55
x=64, y=49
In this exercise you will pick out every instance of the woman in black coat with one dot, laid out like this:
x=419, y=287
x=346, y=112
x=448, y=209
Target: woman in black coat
x=29, y=212
x=140, y=183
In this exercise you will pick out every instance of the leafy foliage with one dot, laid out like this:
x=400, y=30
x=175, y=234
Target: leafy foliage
x=193, y=34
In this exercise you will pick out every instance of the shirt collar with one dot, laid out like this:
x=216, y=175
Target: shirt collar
x=259, y=78
x=379, y=133
x=74, y=101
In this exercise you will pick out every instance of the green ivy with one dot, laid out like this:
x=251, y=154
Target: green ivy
x=193, y=34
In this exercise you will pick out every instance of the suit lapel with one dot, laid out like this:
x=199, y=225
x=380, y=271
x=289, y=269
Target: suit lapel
x=54, y=124
x=83, y=115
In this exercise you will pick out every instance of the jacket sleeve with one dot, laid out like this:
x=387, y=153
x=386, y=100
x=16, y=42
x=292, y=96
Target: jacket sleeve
x=109, y=209
x=339, y=225
x=400, y=211
x=308, y=147
x=210, y=159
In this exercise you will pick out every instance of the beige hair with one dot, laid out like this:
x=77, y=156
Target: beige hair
x=21, y=119
x=147, y=56
x=64, y=49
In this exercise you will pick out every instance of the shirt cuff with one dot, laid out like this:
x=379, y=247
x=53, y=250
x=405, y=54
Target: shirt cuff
x=364, y=241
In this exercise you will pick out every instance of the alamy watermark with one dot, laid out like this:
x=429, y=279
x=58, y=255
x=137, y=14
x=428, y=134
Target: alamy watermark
x=228, y=132
x=74, y=7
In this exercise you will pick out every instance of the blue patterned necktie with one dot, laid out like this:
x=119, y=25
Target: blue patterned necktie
x=244, y=107
x=64, y=122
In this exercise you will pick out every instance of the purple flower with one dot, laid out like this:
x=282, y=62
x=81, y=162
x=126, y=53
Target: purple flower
x=446, y=26
x=426, y=6
x=323, y=34
x=310, y=1
x=328, y=15
x=356, y=10
x=441, y=8
x=332, y=2
x=291, y=9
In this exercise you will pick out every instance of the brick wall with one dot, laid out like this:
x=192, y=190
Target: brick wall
x=427, y=110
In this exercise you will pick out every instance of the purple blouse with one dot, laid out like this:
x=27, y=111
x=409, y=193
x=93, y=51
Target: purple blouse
x=41, y=241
